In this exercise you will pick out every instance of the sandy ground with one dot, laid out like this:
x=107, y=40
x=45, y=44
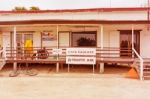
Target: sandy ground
x=74, y=85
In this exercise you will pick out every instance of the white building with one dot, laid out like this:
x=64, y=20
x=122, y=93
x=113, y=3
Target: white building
x=112, y=31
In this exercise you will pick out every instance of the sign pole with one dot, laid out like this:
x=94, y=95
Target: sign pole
x=93, y=69
x=68, y=68
x=57, y=64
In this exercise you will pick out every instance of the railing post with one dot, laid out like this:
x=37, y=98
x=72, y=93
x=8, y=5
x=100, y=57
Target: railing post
x=14, y=40
x=102, y=30
x=57, y=64
x=141, y=69
x=132, y=40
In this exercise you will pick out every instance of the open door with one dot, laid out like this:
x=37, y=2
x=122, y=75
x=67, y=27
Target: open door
x=22, y=40
x=126, y=42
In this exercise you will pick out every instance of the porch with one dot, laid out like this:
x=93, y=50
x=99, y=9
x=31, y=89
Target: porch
x=106, y=38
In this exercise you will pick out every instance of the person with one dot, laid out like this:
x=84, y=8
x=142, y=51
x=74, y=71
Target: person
x=28, y=48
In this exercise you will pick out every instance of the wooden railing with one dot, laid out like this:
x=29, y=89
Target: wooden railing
x=140, y=65
x=36, y=53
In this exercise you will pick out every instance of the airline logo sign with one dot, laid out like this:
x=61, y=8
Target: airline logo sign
x=81, y=56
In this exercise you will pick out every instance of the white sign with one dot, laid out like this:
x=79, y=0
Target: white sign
x=81, y=51
x=80, y=60
x=56, y=51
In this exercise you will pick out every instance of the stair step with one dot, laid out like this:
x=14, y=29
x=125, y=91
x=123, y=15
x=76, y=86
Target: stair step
x=146, y=66
x=146, y=74
x=146, y=69
x=147, y=78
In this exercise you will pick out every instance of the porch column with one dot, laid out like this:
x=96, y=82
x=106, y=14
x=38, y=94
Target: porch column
x=102, y=30
x=14, y=42
x=57, y=64
x=102, y=46
x=132, y=40
x=57, y=36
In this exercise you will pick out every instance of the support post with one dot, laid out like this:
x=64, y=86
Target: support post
x=14, y=42
x=132, y=44
x=102, y=30
x=102, y=46
x=101, y=67
x=141, y=69
x=93, y=69
x=57, y=64
x=68, y=68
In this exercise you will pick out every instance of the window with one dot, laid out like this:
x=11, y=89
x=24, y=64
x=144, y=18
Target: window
x=84, y=39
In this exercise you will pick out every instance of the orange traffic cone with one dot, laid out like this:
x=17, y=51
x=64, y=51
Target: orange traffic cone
x=132, y=73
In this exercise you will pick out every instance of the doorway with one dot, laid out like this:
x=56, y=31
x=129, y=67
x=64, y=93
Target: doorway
x=22, y=39
x=126, y=42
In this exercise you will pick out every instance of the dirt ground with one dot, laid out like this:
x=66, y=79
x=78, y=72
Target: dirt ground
x=80, y=83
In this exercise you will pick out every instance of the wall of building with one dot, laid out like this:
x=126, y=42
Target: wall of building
x=114, y=39
x=145, y=43
x=64, y=39
x=136, y=15
x=37, y=39
x=50, y=42
x=111, y=38
x=6, y=39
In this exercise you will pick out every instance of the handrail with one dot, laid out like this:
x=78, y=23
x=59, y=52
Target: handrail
x=141, y=63
x=3, y=53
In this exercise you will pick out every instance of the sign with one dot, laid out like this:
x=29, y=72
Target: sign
x=49, y=36
x=56, y=51
x=80, y=60
x=81, y=51
x=80, y=55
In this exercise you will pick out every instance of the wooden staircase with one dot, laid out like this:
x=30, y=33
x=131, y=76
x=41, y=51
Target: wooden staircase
x=146, y=71
x=146, y=68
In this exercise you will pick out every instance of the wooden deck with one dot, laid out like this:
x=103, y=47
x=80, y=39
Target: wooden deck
x=63, y=60
x=106, y=55
x=115, y=60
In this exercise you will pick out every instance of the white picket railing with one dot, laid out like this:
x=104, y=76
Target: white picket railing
x=141, y=63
